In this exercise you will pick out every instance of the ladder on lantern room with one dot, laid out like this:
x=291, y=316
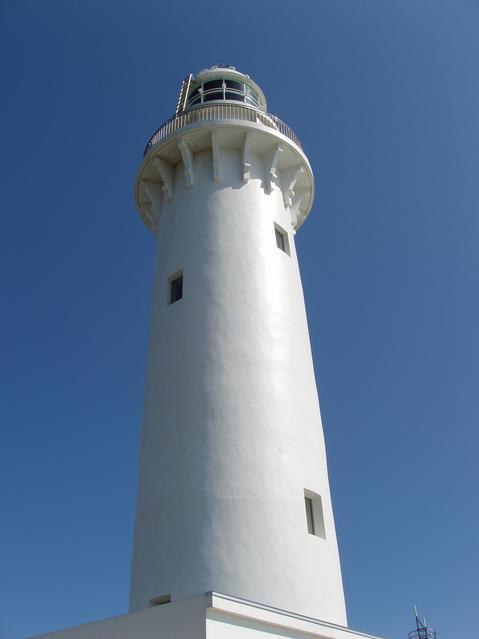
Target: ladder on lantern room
x=185, y=86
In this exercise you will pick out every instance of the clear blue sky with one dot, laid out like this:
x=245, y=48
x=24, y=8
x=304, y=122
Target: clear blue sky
x=385, y=97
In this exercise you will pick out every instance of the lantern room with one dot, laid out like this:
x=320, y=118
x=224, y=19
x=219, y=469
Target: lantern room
x=223, y=84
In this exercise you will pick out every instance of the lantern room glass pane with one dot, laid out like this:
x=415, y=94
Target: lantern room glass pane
x=234, y=84
x=223, y=89
x=213, y=84
x=229, y=95
x=214, y=95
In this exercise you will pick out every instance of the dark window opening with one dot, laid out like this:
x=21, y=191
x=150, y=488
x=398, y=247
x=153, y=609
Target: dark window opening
x=309, y=515
x=279, y=239
x=176, y=289
x=162, y=599
x=282, y=241
x=314, y=514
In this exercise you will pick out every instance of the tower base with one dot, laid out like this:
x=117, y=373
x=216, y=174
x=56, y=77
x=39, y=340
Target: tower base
x=209, y=616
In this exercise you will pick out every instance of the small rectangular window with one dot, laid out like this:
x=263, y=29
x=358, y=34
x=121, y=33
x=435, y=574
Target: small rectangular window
x=281, y=239
x=309, y=514
x=176, y=288
x=162, y=599
x=314, y=514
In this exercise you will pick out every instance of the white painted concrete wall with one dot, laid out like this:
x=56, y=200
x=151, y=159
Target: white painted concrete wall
x=231, y=618
x=232, y=431
x=182, y=620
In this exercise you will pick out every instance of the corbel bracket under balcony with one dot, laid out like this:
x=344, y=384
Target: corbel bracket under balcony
x=289, y=177
x=298, y=205
x=271, y=163
x=166, y=173
x=215, y=151
x=153, y=193
x=187, y=157
x=246, y=159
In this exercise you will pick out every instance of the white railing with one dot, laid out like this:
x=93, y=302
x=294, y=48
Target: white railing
x=206, y=113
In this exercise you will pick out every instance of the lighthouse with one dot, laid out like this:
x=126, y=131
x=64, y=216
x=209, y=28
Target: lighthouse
x=234, y=533
x=233, y=490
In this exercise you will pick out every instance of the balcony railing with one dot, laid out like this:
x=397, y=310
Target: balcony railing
x=211, y=112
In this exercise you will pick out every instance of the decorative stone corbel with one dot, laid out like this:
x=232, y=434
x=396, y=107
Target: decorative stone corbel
x=289, y=177
x=165, y=171
x=298, y=206
x=246, y=157
x=271, y=162
x=147, y=215
x=215, y=150
x=154, y=194
x=187, y=157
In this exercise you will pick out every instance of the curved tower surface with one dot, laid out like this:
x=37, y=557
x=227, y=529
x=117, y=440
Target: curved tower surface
x=233, y=491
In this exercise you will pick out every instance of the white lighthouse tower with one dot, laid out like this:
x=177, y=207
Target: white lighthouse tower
x=234, y=534
x=233, y=494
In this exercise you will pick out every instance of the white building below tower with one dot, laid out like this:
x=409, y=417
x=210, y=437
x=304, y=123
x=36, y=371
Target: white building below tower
x=209, y=616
